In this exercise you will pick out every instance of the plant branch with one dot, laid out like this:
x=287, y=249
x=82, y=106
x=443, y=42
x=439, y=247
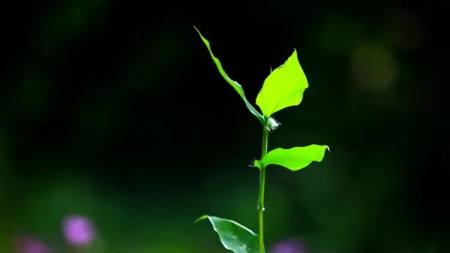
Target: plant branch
x=262, y=184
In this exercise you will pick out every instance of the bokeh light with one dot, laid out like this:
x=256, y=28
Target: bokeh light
x=78, y=230
x=373, y=67
x=31, y=245
x=289, y=246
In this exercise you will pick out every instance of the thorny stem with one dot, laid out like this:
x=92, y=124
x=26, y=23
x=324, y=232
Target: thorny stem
x=262, y=184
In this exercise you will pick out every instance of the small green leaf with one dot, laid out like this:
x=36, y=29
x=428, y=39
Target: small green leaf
x=236, y=86
x=283, y=87
x=233, y=235
x=294, y=158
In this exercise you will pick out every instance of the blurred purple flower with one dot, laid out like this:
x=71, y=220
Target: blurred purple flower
x=31, y=245
x=289, y=246
x=78, y=230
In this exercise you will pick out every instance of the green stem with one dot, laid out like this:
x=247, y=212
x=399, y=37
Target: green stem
x=262, y=184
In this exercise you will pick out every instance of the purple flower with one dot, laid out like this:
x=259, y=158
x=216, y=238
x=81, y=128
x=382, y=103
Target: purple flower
x=289, y=246
x=31, y=245
x=78, y=230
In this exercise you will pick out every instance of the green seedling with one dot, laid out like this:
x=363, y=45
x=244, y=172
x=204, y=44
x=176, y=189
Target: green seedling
x=283, y=88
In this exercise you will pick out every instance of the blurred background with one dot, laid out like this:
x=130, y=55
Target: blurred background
x=117, y=132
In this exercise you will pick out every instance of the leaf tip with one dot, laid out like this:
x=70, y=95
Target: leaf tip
x=205, y=41
x=203, y=217
x=293, y=55
x=198, y=31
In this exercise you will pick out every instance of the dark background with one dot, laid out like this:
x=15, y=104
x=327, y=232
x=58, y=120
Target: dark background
x=114, y=110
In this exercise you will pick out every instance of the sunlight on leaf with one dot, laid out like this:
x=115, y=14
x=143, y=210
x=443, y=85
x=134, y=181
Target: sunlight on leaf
x=294, y=158
x=233, y=235
x=283, y=87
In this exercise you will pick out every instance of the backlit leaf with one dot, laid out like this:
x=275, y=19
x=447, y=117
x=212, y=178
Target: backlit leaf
x=283, y=87
x=294, y=158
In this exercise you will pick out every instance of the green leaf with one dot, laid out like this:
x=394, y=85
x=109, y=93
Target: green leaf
x=236, y=86
x=283, y=87
x=294, y=158
x=233, y=235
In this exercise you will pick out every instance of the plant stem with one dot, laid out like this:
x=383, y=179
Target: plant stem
x=262, y=184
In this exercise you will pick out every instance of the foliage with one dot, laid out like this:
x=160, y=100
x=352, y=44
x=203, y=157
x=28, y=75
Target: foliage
x=283, y=88
x=233, y=235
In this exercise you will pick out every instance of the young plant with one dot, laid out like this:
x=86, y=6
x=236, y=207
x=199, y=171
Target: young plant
x=283, y=88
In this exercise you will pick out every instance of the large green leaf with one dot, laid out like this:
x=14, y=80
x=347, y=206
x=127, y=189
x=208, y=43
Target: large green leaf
x=283, y=87
x=233, y=235
x=236, y=86
x=294, y=158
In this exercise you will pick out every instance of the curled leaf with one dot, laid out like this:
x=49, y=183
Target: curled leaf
x=236, y=86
